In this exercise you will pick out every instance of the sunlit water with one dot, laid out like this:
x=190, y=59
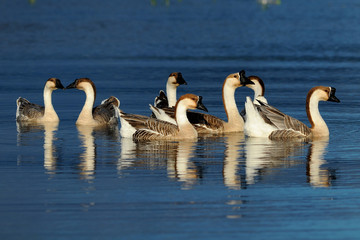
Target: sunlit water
x=60, y=181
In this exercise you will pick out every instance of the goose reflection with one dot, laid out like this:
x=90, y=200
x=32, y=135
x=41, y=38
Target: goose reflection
x=232, y=156
x=180, y=167
x=50, y=157
x=50, y=152
x=87, y=163
x=318, y=177
x=172, y=155
x=264, y=156
x=87, y=158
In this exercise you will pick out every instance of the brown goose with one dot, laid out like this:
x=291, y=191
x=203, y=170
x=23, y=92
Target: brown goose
x=145, y=128
x=31, y=112
x=266, y=121
x=106, y=113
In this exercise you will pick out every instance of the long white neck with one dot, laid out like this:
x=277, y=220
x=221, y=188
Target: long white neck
x=171, y=94
x=319, y=127
x=230, y=106
x=86, y=112
x=182, y=121
x=49, y=109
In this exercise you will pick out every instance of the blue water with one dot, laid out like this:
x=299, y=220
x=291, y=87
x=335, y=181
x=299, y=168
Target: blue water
x=65, y=182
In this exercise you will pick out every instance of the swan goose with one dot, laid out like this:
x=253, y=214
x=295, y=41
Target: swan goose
x=106, y=113
x=30, y=112
x=146, y=128
x=266, y=121
x=175, y=79
x=206, y=123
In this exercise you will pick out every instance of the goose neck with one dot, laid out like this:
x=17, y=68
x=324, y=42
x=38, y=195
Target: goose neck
x=86, y=111
x=181, y=115
x=171, y=94
x=49, y=109
x=318, y=125
x=231, y=109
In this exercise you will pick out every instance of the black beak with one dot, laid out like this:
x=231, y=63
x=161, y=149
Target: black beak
x=72, y=85
x=180, y=80
x=58, y=84
x=200, y=105
x=243, y=79
x=332, y=97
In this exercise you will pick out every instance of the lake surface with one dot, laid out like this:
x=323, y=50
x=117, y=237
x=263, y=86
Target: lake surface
x=67, y=182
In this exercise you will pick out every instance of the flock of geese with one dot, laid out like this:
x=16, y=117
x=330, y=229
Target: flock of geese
x=172, y=120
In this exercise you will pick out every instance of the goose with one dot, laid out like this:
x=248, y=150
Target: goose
x=146, y=128
x=106, y=113
x=266, y=121
x=206, y=123
x=175, y=79
x=31, y=112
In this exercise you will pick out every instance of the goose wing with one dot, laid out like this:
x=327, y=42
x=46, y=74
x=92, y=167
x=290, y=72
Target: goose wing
x=205, y=123
x=27, y=110
x=156, y=129
x=294, y=129
x=136, y=121
x=271, y=115
x=161, y=101
x=107, y=111
x=288, y=127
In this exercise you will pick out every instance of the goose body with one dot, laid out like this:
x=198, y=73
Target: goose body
x=264, y=120
x=175, y=79
x=206, y=123
x=146, y=128
x=106, y=113
x=31, y=112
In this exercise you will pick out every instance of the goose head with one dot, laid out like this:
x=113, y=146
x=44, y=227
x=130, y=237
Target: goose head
x=83, y=84
x=258, y=85
x=236, y=80
x=324, y=94
x=191, y=101
x=176, y=79
x=53, y=84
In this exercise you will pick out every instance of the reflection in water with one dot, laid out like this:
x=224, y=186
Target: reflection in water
x=234, y=143
x=318, y=177
x=50, y=157
x=88, y=157
x=49, y=149
x=174, y=156
x=263, y=154
x=180, y=167
x=128, y=151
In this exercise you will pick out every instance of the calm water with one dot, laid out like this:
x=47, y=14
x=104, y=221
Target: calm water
x=68, y=182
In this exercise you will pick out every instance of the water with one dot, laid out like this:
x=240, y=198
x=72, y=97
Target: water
x=65, y=182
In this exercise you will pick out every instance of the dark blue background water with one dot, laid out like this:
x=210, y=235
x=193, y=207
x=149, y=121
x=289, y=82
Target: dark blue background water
x=64, y=182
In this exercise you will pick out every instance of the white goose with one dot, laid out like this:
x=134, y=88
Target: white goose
x=266, y=121
x=175, y=79
x=145, y=128
x=30, y=112
x=206, y=123
x=106, y=113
